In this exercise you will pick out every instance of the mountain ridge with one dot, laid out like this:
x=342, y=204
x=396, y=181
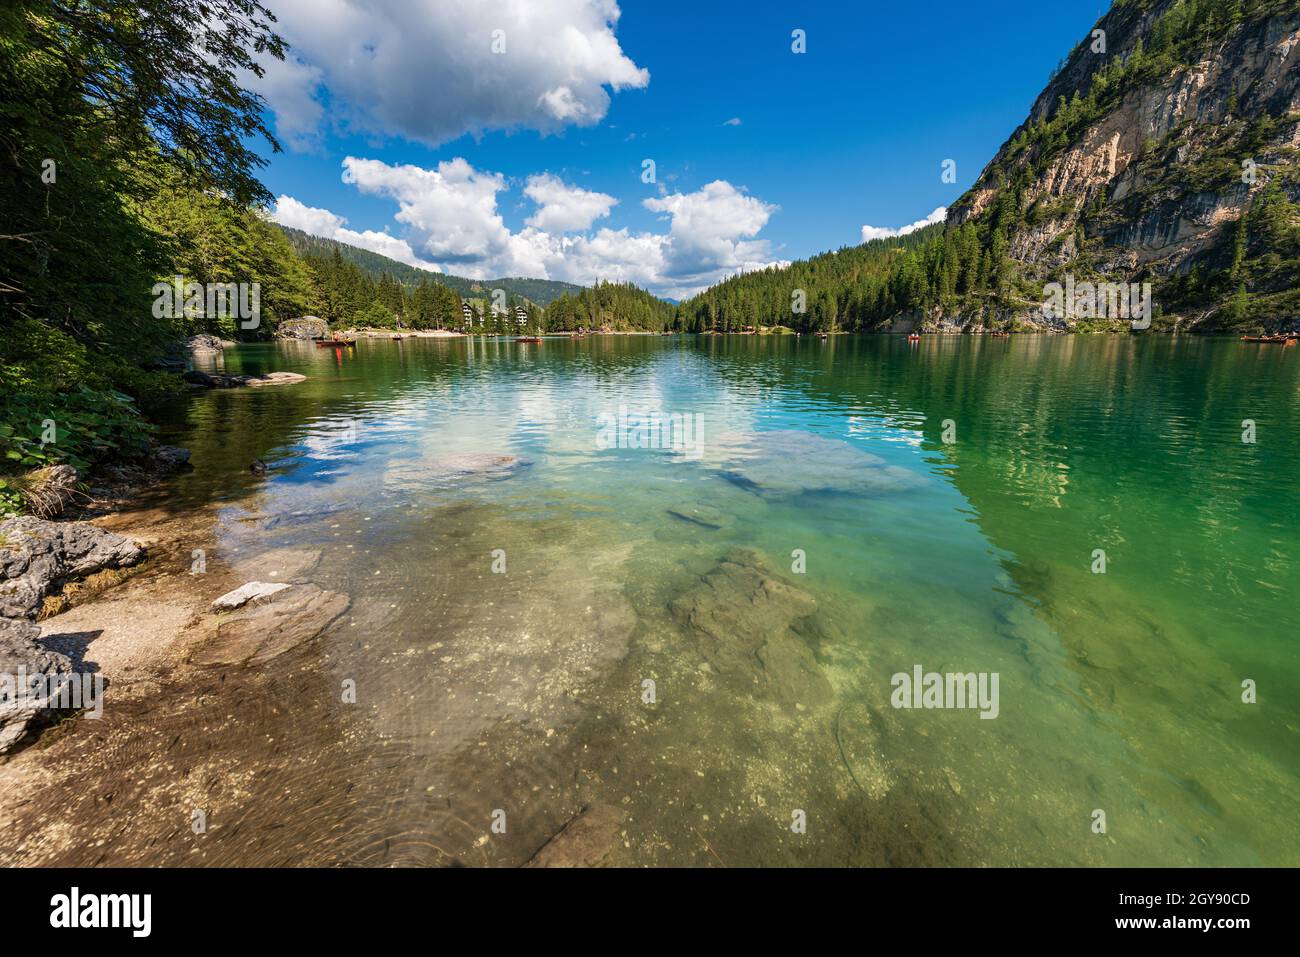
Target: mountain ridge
x=539, y=291
x=1163, y=151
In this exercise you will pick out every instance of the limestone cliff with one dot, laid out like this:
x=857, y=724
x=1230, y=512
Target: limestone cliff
x=1164, y=150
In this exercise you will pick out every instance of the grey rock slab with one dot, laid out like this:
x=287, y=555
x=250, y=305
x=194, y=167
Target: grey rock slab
x=586, y=841
x=251, y=591
x=703, y=515
x=747, y=625
x=263, y=631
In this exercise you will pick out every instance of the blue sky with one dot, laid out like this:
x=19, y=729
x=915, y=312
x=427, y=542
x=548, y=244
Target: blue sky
x=485, y=153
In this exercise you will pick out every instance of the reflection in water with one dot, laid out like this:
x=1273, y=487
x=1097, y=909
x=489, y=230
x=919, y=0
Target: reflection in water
x=697, y=648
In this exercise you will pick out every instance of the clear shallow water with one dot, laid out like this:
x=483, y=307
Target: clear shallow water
x=524, y=691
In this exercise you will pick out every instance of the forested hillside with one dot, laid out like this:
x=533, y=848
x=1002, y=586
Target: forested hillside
x=855, y=288
x=1164, y=151
x=610, y=305
x=539, y=291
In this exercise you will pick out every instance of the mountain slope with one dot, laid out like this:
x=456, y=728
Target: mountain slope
x=540, y=291
x=1169, y=158
x=1167, y=154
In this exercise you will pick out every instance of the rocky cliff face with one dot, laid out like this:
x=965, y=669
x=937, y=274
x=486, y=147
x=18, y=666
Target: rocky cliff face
x=1165, y=150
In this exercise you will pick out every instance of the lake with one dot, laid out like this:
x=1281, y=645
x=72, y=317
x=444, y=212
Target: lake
x=701, y=642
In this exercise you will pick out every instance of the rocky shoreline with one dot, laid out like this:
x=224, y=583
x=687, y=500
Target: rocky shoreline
x=91, y=564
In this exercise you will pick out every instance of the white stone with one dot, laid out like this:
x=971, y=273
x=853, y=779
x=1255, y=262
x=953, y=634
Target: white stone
x=246, y=593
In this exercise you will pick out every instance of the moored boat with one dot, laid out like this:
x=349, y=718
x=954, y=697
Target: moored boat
x=1282, y=338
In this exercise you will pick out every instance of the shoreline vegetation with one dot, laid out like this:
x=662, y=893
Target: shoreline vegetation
x=126, y=170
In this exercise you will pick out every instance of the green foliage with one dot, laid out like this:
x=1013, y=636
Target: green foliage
x=97, y=101
x=57, y=405
x=610, y=305
x=346, y=296
x=214, y=241
x=161, y=75
x=856, y=288
x=378, y=316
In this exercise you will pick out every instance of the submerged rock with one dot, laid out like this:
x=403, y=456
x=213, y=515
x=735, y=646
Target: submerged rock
x=252, y=591
x=485, y=464
x=37, y=557
x=218, y=381
x=586, y=841
x=858, y=740
x=790, y=462
x=456, y=468
x=747, y=624
x=260, y=632
x=703, y=515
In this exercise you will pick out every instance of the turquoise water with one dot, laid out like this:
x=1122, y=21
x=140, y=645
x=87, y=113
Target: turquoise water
x=847, y=510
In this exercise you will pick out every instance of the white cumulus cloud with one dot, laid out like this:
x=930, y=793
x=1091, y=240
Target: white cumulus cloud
x=564, y=208
x=321, y=222
x=426, y=69
x=711, y=230
x=310, y=219
x=451, y=221
x=291, y=87
x=883, y=232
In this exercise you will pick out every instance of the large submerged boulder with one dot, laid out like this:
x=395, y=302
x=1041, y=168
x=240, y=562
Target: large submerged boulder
x=705, y=516
x=589, y=840
x=790, y=462
x=750, y=626
x=454, y=469
x=216, y=380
